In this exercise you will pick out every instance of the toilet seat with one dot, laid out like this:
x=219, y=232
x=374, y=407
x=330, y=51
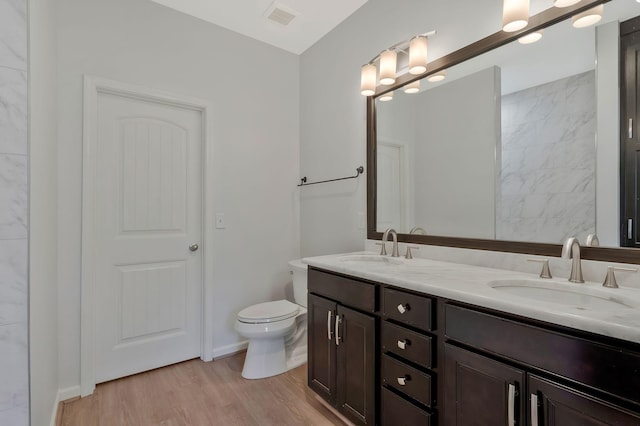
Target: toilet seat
x=268, y=312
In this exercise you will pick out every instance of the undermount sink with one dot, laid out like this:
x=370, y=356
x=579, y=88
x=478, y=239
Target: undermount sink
x=370, y=259
x=564, y=294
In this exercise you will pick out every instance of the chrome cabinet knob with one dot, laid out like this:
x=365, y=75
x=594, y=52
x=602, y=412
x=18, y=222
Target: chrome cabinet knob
x=193, y=247
x=402, y=344
x=403, y=308
x=402, y=381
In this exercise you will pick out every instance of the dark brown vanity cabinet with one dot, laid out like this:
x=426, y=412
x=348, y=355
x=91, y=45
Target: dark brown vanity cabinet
x=388, y=356
x=407, y=355
x=481, y=391
x=503, y=367
x=343, y=345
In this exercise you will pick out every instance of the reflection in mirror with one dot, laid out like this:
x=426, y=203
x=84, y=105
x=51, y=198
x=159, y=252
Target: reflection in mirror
x=505, y=147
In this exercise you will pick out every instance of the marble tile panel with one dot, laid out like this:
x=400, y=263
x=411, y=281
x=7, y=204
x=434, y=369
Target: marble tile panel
x=13, y=281
x=13, y=34
x=13, y=196
x=14, y=386
x=13, y=111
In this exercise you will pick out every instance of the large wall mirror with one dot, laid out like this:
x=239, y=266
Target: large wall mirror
x=517, y=149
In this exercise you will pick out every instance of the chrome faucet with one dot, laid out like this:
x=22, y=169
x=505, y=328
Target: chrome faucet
x=394, y=235
x=571, y=249
x=418, y=230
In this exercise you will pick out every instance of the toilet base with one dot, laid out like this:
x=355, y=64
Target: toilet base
x=265, y=358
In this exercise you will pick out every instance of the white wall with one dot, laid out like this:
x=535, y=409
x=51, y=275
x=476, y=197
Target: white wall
x=332, y=111
x=608, y=134
x=455, y=156
x=43, y=244
x=255, y=91
x=14, y=373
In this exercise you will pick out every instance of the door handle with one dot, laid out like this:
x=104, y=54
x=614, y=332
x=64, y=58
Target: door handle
x=511, y=408
x=338, y=322
x=534, y=409
x=193, y=247
x=329, y=316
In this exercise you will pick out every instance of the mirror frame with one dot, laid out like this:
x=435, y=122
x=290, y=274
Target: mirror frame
x=544, y=19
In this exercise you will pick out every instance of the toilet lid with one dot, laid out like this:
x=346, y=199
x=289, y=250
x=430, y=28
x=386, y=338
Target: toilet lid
x=268, y=312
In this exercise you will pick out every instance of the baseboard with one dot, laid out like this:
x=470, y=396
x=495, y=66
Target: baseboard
x=62, y=395
x=334, y=411
x=230, y=349
x=68, y=393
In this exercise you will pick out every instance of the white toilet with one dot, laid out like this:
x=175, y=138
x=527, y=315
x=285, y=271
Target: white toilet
x=277, y=331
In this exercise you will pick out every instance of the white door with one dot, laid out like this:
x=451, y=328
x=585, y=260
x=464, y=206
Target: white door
x=148, y=212
x=390, y=189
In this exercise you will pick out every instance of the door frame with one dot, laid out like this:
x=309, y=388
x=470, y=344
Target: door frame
x=93, y=86
x=406, y=178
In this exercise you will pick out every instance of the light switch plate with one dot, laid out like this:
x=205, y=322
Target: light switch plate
x=220, y=224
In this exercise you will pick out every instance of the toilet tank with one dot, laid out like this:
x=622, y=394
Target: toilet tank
x=299, y=273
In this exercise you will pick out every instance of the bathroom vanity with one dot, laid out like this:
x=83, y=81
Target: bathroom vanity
x=420, y=342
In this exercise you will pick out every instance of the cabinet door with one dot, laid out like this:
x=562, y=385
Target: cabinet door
x=322, y=350
x=481, y=391
x=356, y=347
x=555, y=405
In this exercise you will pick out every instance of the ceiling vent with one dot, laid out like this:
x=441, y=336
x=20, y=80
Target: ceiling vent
x=280, y=14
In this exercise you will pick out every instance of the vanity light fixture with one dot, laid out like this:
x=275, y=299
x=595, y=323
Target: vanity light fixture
x=588, y=17
x=368, y=80
x=515, y=15
x=413, y=57
x=388, y=61
x=530, y=38
x=418, y=55
x=413, y=87
x=565, y=3
x=386, y=97
x=439, y=76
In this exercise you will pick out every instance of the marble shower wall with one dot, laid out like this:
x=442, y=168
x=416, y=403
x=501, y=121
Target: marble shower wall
x=14, y=355
x=547, y=181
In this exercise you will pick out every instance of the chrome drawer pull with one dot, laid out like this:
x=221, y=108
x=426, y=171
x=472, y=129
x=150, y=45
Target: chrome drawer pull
x=338, y=322
x=511, y=409
x=534, y=409
x=402, y=344
x=329, y=316
x=403, y=308
x=402, y=381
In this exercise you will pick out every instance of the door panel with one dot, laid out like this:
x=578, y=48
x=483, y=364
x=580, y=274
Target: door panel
x=562, y=406
x=630, y=140
x=390, y=209
x=473, y=383
x=322, y=356
x=148, y=284
x=356, y=365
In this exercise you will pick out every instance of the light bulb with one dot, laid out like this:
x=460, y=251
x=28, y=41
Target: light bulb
x=386, y=97
x=439, y=76
x=565, y=3
x=388, y=60
x=368, y=80
x=588, y=17
x=418, y=55
x=413, y=87
x=515, y=15
x=530, y=38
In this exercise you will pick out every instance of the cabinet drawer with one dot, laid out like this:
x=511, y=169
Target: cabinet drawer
x=407, y=380
x=408, y=344
x=604, y=367
x=350, y=292
x=408, y=308
x=398, y=412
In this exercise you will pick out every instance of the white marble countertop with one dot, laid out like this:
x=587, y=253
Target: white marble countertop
x=472, y=284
